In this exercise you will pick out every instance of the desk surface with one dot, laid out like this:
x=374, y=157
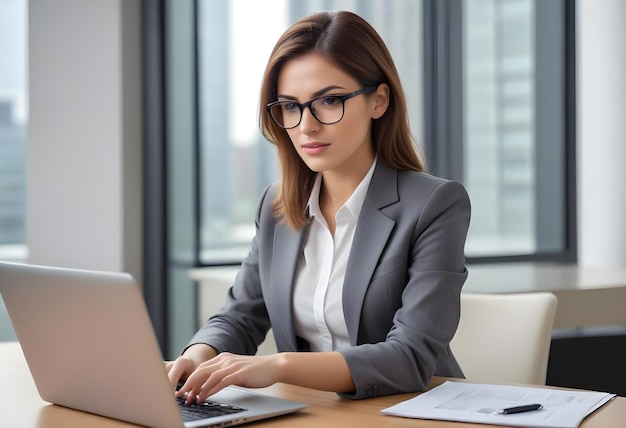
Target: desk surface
x=21, y=406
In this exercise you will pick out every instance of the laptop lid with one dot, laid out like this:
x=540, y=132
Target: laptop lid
x=90, y=346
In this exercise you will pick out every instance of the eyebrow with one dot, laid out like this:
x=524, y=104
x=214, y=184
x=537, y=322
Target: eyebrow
x=315, y=94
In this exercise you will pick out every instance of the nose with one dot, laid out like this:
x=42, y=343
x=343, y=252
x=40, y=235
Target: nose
x=308, y=123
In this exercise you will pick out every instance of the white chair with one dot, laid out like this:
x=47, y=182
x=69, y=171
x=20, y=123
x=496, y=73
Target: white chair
x=505, y=338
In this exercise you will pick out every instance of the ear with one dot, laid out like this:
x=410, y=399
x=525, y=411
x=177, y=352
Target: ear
x=380, y=101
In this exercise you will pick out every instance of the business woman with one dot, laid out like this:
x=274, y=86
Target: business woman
x=358, y=256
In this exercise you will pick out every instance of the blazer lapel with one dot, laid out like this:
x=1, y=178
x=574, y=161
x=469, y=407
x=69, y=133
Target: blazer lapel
x=287, y=250
x=369, y=240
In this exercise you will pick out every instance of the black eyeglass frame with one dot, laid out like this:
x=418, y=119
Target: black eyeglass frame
x=301, y=107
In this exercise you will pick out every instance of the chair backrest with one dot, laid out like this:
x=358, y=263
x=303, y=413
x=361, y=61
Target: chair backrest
x=505, y=338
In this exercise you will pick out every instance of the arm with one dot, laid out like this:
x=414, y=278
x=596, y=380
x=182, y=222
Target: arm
x=410, y=311
x=318, y=370
x=242, y=322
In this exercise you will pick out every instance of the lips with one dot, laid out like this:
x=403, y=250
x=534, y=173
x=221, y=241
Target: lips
x=314, y=148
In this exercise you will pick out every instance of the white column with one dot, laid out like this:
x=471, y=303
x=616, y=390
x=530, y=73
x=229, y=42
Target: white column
x=601, y=132
x=84, y=135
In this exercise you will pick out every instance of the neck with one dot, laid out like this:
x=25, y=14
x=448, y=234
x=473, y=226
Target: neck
x=338, y=185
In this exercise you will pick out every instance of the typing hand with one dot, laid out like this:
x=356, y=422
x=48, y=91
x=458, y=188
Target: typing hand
x=228, y=369
x=180, y=369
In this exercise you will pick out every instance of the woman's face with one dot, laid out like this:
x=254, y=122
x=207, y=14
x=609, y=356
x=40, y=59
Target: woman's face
x=344, y=146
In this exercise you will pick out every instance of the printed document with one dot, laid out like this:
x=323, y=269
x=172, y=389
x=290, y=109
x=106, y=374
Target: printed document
x=482, y=403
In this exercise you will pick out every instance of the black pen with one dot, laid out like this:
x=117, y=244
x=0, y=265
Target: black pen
x=520, y=409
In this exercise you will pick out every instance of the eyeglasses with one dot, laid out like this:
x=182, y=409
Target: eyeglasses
x=327, y=109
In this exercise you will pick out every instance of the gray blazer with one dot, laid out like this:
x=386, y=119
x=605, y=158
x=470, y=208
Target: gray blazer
x=401, y=294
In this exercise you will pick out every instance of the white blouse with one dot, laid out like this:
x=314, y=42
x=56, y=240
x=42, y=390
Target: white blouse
x=317, y=297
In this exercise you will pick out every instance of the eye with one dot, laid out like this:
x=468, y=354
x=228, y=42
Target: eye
x=290, y=107
x=330, y=101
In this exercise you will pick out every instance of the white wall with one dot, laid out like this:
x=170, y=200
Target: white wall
x=84, y=135
x=601, y=133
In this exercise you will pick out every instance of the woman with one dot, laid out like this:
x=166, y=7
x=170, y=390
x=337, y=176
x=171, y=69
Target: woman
x=358, y=254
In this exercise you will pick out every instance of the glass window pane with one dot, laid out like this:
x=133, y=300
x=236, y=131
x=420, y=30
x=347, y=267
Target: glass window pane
x=236, y=162
x=509, y=129
x=13, y=117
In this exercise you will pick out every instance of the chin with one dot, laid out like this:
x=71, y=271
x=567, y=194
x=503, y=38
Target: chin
x=315, y=166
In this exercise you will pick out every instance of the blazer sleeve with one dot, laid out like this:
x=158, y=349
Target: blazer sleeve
x=412, y=305
x=242, y=323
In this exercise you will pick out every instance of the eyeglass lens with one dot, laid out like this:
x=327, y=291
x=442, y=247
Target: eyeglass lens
x=326, y=109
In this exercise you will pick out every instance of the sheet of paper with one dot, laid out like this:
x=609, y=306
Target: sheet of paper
x=480, y=403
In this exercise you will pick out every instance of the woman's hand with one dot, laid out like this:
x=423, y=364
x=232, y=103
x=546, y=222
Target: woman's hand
x=229, y=369
x=181, y=368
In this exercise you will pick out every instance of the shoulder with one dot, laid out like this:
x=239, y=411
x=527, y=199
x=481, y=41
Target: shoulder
x=423, y=186
x=270, y=192
x=433, y=196
x=412, y=196
x=265, y=207
x=413, y=187
x=422, y=179
x=427, y=202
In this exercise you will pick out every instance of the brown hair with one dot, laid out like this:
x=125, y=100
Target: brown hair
x=354, y=46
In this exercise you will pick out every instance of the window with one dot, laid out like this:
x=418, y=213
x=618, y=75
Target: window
x=13, y=117
x=502, y=99
x=499, y=125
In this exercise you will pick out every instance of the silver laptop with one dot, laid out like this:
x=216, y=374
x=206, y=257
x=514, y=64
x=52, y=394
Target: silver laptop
x=90, y=346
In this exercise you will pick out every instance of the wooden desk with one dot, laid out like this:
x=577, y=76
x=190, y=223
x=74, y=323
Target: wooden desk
x=21, y=406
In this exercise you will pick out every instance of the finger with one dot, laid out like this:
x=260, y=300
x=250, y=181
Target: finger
x=193, y=397
x=217, y=381
x=214, y=375
x=186, y=391
x=203, y=394
x=191, y=388
x=168, y=366
x=176, y=372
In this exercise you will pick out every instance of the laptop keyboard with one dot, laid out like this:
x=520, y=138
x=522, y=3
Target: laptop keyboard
x=205, y=409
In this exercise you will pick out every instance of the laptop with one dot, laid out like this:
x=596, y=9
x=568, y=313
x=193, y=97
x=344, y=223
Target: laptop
x=90, y=346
